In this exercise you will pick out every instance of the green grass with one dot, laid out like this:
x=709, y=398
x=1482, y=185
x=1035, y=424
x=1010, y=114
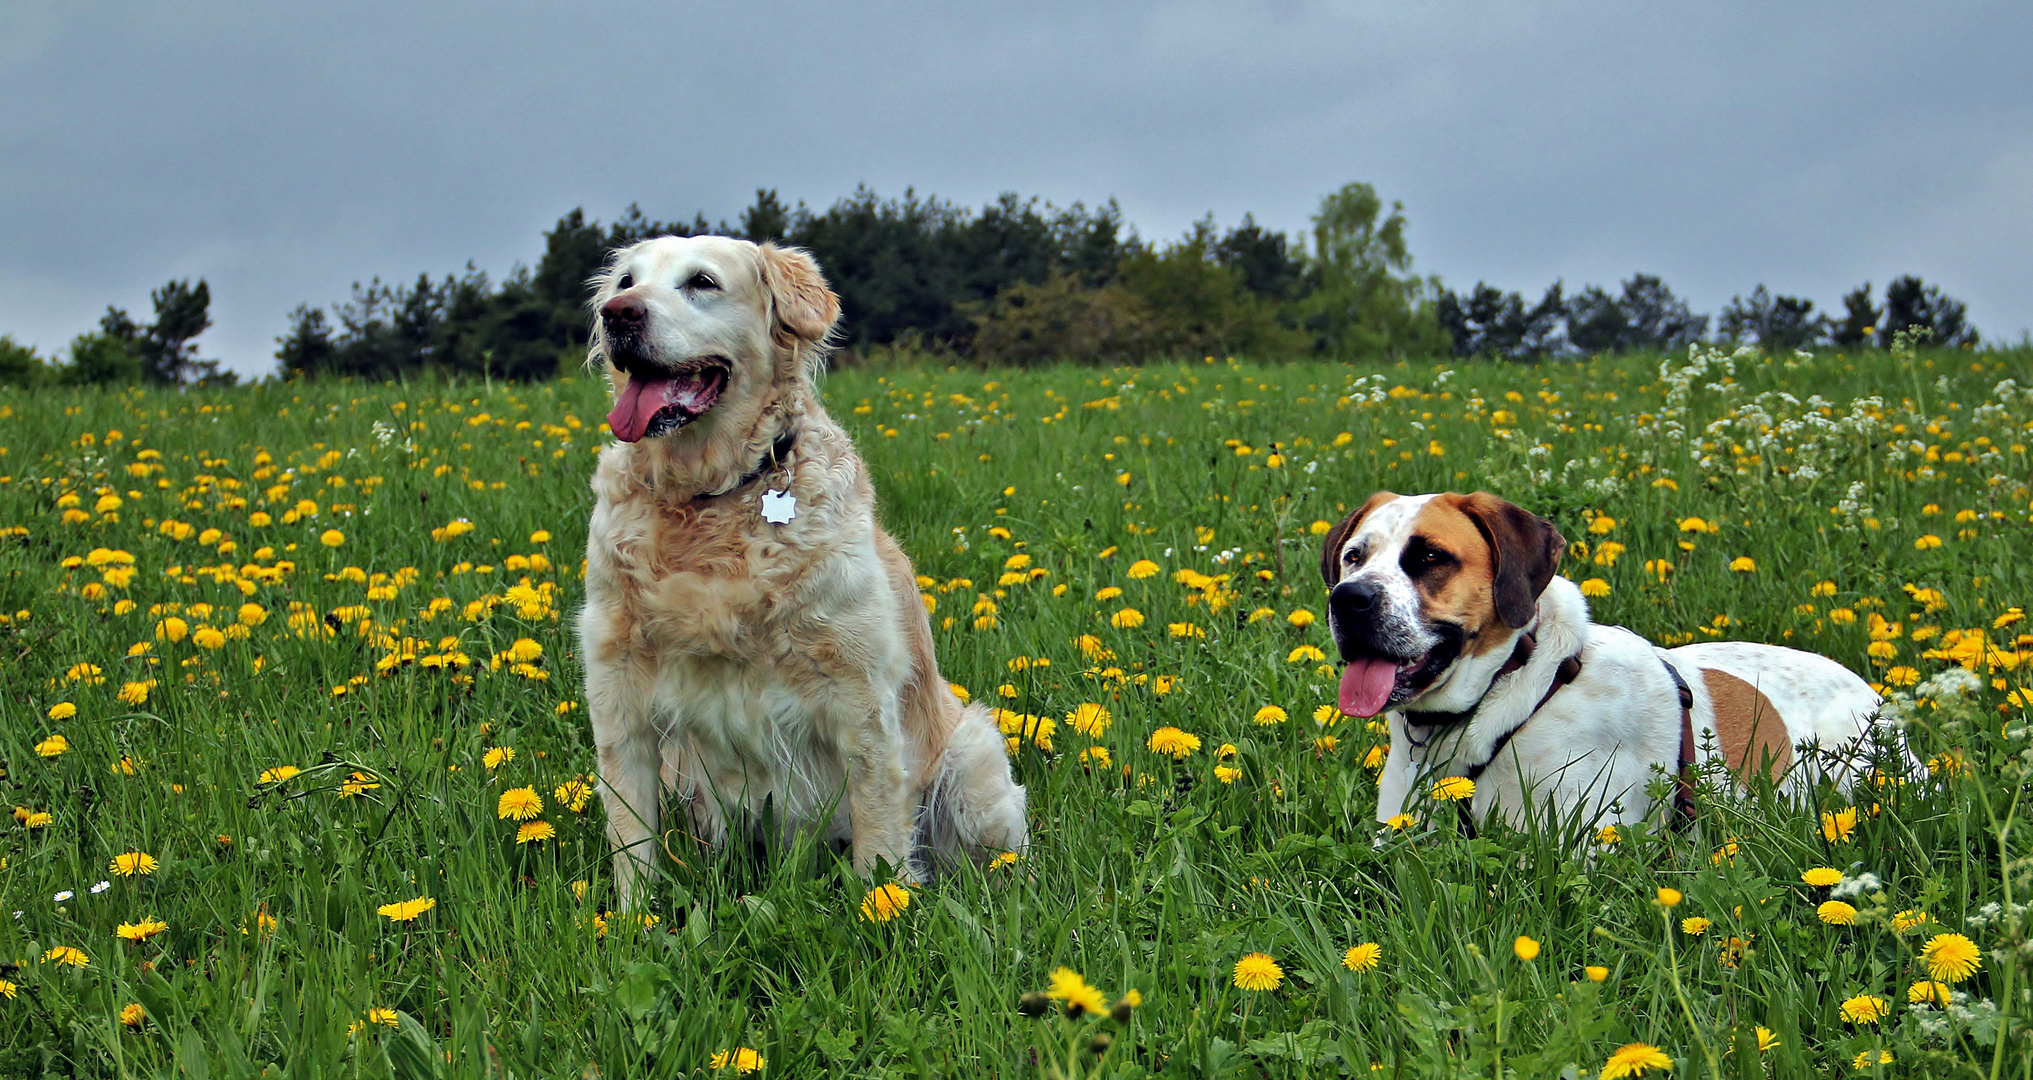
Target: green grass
x=1146, y=873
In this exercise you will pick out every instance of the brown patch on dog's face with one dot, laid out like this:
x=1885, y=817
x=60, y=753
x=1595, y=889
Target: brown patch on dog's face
x=1747, y=725
x=1525, y=550
x=1453, y=567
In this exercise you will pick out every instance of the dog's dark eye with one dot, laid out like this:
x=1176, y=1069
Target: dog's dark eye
x=625, y=282
x=701, y=281
x=1421, y=557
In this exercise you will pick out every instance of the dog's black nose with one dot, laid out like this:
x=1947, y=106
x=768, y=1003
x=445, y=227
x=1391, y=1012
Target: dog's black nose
x=1359, y=595
x=624, y=312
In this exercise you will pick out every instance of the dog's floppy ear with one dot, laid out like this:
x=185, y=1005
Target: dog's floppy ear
x=800, y=303
x=1330, y=554
x=1525, y=547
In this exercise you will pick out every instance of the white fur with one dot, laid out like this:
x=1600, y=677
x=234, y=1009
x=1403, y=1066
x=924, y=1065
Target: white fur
x=1601, y=740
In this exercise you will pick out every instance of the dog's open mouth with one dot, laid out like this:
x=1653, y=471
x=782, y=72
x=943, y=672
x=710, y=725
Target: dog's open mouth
x=1372, y=682
x=658, y=403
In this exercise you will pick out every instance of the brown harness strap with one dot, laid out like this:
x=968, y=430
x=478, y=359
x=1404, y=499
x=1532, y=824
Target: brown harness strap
x=1568, y=671
x=1684, y=810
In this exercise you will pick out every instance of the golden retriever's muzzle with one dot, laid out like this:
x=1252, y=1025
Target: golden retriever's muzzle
x=659, y=398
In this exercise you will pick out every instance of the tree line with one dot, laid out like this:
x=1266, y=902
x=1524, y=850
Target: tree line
x=1018, y=281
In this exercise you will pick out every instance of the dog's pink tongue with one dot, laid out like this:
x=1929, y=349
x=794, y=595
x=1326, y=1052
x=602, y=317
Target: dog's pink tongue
x=637, y=405
x=1366, y=686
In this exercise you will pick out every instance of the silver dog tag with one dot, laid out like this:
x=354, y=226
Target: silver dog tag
x=779, y=507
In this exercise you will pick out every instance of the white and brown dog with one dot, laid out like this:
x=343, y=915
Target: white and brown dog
x=753, y=640
x=1450, y=618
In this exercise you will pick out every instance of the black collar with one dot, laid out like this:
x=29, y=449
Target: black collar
x=778, y=450
x=1521, y=654
x=1528, y=642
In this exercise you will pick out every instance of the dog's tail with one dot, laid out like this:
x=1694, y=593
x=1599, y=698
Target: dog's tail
x=972, y=808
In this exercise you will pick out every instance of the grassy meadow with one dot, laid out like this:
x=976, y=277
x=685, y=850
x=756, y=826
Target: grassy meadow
x=299, y=776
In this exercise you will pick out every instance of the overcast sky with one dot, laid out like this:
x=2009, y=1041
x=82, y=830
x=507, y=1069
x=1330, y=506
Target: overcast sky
x=283, y=151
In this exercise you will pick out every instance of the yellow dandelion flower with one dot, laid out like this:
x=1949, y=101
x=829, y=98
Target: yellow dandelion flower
x=520, y=804
x=1398, y=822
x=1305, y=654
x=1525, y=948
x=1268, y=715
x=573, y=794
x=1865, y=1009
x=1068, y=986
x=1951, y=958
x=1595, y=588
x=132, y=863
x=1363, y=957
x=1744, y=564
x=1453, y=789
x=1128, y=618
x=1258, y=972
x=331, y=538
x=1634, y=1059
x=1695, y=925
x=1003, y=861
x=407, y=910
x=1821, y=877
x=278, y=774
x=534, y=832
x=1836, y=913
x=1174, y=743
x=885, y=902
x=140, y=931
x=1838, y=827
x=384, y=1016
x=62, y=710
x=1869, y=1060
x=1143, y=568
x=743, y=1060
x=53, y=746
x=1090, y=719
x=1670, y=897
x=1595, y=972
x=1096, y=756
x=66, y=956
x=498, y=756
x=1929, y=992
x=133, y=1015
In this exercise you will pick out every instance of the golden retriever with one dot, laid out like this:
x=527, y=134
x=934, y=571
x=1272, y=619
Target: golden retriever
x=754, y=641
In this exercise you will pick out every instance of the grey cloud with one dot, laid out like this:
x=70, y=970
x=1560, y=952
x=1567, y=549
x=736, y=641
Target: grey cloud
x=284, y=151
